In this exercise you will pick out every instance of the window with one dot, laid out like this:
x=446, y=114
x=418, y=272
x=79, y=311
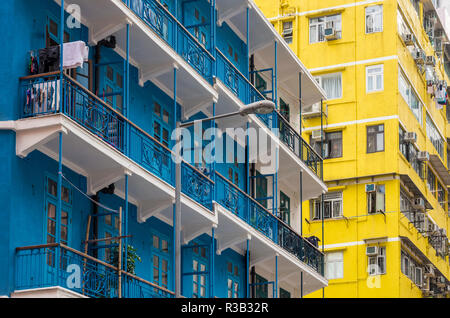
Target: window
x=431, y=182
x=441, y=195
x=332, y=145
x=199, y=265
x=409, y=96
x=374, y=19
x=334, y=265
x=375, y=138
x=410, y=152
x=412, y=269
x=160, y=259
x=50, y=212
x=317, y=27
x=285, y=208
x=285, y=110
x=377, y=263
x=232, y=280
x=332, y=206
x=261, y=287
x=374, y=78
x=376, y=200
x=288, y=32
x=435, y=137
x=331, y=84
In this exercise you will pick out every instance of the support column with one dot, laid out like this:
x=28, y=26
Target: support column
x=247, y=270
x=125, y=225
x=275, y=81
x=276, y=277
x=300, y=101
x=301, y=203
x=61, y=58
x=59, y=208
x=127, y=90
x=177, y=207
x=321, y=197
x=248, y=43
x=213, y=254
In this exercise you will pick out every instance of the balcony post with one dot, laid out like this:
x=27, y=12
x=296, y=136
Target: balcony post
x=248, y=43
x=276, y=277
x=275, y=80
x=247, y=270
x=177, y=206
x=61, y=58
x=127, y=90
x=301, y=203
x=300, y=102
x=125, y=225
x=59, y=209
x=213, y=253
x=301, y=284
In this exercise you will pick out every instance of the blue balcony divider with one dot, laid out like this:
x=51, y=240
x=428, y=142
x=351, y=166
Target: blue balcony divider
x=168, y=28
x=249, y=210
x=40, y=95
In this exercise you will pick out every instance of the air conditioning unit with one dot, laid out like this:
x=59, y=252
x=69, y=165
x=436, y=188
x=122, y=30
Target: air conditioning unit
x=432, y=229
x=419, y=56
x=419, y=204
x=371, y=187
x=423, y=156
x=330, y=33
x=312, y=111
x=408, y=39
x=372, y=250
x=430, y=60
x=410, y=137
x=317, y=135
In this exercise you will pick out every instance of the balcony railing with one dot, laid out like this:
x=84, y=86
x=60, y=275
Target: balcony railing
x=168, y=28
x=36, y=267
x=41, y=96
x=247, y=93
x=253, y=213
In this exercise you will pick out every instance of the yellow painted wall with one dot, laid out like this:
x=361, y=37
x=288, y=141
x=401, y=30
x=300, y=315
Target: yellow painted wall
x=351, y=114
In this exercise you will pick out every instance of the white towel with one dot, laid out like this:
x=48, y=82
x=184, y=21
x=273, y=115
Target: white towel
x=75, y=53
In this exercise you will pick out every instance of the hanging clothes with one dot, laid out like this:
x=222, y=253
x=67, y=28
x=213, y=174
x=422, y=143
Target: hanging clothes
x=42, y=98
x=75, y=54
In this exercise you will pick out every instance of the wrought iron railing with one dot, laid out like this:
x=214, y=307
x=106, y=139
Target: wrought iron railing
x=168, y=28
x=41, y=97
x=37, y=267
x=249, y=210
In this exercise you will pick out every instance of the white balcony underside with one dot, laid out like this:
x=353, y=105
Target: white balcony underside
x=103, y=165
x=153, y=57
x=235, y=231
x=289, y=165
x=47, y=292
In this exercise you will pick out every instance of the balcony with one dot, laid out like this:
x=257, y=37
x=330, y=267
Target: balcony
x=239, y=85
x=258, y=217
x=111, y=127
x=169, y=29
x=36, y=268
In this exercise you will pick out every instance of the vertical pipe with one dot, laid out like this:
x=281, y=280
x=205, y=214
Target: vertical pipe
x=59, y=209
x=213, y=253
x=177, y=218
x=300, y=100
x=301, y=203
x=119, y=266
x=276, y=276
x=125, y=224
x=214, y=32
x=61, y=58
x=247, y=270
x=321, y=197
x=248, y=43
x=127, y=89
x=275, y=82
x=301, y=284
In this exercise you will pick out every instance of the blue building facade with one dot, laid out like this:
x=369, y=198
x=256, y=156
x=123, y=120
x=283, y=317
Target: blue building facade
x=87, y=169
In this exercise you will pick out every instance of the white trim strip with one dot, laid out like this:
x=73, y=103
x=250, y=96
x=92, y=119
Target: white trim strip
x=355, y=243
x=380, y=59
x=354, y=122
x=350, y=5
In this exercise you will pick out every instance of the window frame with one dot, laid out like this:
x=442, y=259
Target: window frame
x=339, y=262
x=370, y=199
x=323, y=23
x=380, y=256
x=375, y=134
x=316, y=215
x=373, y=14
x=375, y=76
x=320, y=78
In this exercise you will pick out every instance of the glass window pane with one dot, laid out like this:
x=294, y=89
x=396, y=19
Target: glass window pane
x=108, y=220
x=157, y=109
x=51, y=211
x=165, y=246
x=52, y=187
x=155, y=241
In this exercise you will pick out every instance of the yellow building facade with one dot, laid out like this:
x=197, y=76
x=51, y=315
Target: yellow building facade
x=382, y=65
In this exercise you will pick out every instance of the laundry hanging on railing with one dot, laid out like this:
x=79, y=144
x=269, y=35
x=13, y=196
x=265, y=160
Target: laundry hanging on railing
x=42, y=98
x=49, y=59
x=75, y=54
x=441, y=95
